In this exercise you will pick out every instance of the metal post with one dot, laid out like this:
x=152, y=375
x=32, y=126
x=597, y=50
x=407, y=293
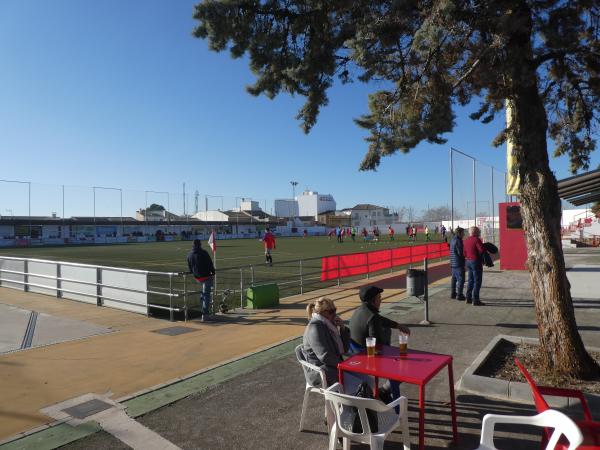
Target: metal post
x=301, y=280
x=121, y=199
x=252, y=275
x=426, y=295
x=98, y=286
x=338, y=270
x=185, y=308
x=474, y=197
x=58, y=281
x=26, y=274
x=29, y=206
x=94, y=191
x=241, y=287
x=452, y=189
x=367, y=265
x=171, y=315
x=493, y=210
x=391, y=261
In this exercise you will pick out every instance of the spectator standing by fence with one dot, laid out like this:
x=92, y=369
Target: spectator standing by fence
x=474, y=250
x=201, y=265
x=391, y=233
x=457, y=263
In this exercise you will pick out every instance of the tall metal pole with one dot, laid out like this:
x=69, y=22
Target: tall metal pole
x=146, y=211
x=29, y=206
x=63, y=201
x=94, y=191
x=452, y=188
x=474, y=197
x=493, y=210
x=121, y=201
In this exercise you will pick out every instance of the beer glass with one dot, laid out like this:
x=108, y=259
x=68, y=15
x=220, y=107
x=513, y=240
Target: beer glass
x=403, y=343
x=371, y=341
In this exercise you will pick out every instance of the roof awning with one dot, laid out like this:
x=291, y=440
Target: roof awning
x=581, y=189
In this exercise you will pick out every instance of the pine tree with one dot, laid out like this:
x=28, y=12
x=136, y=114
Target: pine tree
x=541, y=57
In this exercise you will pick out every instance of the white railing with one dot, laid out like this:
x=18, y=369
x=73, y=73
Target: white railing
x=116, y=287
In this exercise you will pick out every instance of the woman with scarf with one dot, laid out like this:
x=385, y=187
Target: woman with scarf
x=326, y=338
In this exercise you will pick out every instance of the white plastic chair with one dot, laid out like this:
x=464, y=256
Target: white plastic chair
x=307, y=368
x=550, y=418
x=387, y=419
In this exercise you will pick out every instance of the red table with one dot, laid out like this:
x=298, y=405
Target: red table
x=416, y=367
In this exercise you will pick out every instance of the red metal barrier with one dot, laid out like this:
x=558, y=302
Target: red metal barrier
x=352, y=264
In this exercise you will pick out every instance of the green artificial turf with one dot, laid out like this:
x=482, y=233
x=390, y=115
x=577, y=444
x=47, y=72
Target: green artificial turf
x=240, y=262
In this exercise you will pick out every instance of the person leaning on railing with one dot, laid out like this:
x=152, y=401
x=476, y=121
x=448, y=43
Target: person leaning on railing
x=325, y=339
x=201, y=265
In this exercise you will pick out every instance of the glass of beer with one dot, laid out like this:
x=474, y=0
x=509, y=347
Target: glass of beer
x=371, y=341
x=403, y=343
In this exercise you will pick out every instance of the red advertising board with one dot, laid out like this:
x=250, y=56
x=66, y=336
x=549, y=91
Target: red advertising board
x=342, y=266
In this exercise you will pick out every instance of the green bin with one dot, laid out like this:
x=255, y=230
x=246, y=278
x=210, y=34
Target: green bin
x=263, y=296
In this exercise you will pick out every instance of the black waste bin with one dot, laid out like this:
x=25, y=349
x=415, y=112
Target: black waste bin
x=415, y=282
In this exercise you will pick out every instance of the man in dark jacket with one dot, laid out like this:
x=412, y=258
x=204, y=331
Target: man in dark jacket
x=457, y=263
x=201, y=265
x=367, y=322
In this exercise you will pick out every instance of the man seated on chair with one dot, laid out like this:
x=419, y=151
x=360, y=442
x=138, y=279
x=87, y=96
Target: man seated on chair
x=367, y=322
x=325, y=339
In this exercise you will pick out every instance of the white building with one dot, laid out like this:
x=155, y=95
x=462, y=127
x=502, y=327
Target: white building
x=249, y=205
x=367, y=216
x=286, y=207
x=311, y=203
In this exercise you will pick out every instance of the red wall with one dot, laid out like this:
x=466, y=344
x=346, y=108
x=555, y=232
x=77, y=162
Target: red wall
x=513, y=249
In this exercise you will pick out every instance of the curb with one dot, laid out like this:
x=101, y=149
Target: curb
x=514, y=391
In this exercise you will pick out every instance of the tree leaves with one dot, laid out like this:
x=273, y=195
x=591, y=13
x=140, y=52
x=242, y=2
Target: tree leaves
x=429, y=55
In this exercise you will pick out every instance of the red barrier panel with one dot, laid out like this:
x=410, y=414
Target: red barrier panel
x=341, y=266
x=353, y=264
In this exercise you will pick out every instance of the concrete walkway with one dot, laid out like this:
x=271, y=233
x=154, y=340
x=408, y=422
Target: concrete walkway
x=133, y=357
x=255, y=402
x=261, y=408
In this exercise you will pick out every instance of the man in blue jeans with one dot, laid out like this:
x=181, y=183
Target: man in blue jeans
x=457, y=263
x=474, y=250
x=201, y=265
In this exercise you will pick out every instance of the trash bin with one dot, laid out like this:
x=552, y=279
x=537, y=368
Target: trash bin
x=415, y=282
x=263, y=296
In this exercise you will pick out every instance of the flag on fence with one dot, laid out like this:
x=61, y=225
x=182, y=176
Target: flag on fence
x=212, y=242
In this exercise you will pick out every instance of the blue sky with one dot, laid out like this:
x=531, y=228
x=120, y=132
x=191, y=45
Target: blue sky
x=119, y=94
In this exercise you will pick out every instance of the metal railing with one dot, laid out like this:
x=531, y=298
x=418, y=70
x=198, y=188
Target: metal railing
x=117, y=287
x=142, y=291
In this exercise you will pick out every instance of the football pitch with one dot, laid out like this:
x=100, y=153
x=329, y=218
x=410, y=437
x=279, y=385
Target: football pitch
x=171, y=256
x=240, y=263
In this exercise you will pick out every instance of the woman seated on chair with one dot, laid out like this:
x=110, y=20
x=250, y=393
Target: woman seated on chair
x=325, y=339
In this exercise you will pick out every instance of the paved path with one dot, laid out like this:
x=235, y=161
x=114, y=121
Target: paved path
x=255, y=402
x=261, y=408
x=133, y=357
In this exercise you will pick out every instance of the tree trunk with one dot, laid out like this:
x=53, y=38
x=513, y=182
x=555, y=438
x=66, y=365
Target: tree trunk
x=562, y=347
